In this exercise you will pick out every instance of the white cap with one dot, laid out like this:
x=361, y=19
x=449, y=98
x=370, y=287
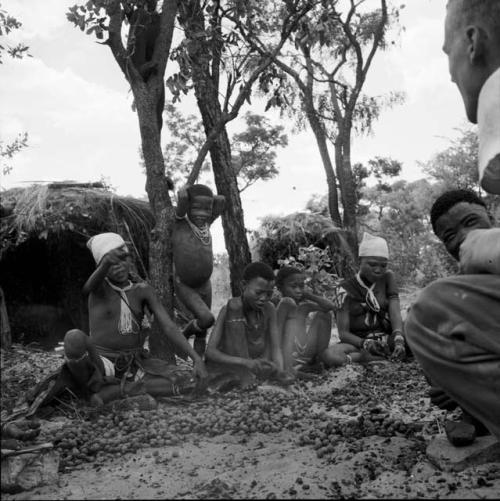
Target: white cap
x=373, y=246
x=101, y=244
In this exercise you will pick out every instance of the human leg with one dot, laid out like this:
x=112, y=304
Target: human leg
x=198, y=302
x=340, y=354
x=453, y=330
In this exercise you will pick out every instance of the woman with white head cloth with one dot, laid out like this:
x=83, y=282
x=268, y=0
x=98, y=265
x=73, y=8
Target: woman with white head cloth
x=369, y=319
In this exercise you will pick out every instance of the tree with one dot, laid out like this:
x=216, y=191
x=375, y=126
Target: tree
x=7, y=151
x=254, y=156
x=217, y=63
x=326, y=70
x=253, y=150
x=139, y=35
x=9, y=23
x=456, y=167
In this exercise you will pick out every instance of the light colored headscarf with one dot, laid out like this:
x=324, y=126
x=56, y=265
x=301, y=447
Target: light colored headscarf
x=101, y=244
x=373, y=246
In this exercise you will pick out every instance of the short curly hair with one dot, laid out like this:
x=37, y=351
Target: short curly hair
x=258, y=270
x=284, y=273
x=449, y=199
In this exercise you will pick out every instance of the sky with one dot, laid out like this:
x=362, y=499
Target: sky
x=75, y=104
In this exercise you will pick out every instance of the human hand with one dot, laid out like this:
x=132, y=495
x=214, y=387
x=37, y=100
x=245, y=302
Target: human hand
x=374, y=347
x=115, y=256
x=441, y=399
x=21, y=429
x=399, y=352
x=200, y=371
x=260, y=366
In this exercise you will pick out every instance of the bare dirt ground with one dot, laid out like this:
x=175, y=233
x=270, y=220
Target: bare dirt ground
x=353, y=432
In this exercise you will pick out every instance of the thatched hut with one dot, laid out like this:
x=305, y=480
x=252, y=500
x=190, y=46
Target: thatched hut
x=44, y=261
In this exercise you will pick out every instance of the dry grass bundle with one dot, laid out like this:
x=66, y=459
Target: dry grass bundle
x=47, y=211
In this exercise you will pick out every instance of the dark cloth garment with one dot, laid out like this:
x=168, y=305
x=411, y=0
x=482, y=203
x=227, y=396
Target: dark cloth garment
x=127, y=364
x=453, y=330
x=363, y=319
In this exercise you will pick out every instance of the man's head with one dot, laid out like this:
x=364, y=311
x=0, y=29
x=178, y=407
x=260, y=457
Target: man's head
x=454, y=214
x=201, y=201
x=472, y=44
x=258, y=285
x=290, y=282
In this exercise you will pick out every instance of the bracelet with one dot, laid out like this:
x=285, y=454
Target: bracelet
x=397, y=330
x=399, y=339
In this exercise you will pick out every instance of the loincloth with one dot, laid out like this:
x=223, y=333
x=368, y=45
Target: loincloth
x=137, y=365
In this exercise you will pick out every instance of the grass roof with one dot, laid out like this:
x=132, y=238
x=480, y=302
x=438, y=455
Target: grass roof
x=48, y=211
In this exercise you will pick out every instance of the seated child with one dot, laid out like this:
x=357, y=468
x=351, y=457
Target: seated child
x=302, y=346
x=245, y=339
x=369, y=321
x=114, y=350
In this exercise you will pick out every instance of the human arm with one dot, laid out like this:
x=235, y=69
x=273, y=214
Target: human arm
x=172, y=332
x=323, y=303
x=274, y=336
x=111, y=258
x=182, y=203
x=218, y=207
x=343, y=325
x=395, y=317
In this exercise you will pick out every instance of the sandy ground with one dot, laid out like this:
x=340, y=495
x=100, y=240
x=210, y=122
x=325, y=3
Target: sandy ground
x=273, y=465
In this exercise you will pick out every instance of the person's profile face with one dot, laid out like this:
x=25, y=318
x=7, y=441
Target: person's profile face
x=257, y=292
x=453, y=226
x=372, y=268
x=293, y=286
x=465, y=71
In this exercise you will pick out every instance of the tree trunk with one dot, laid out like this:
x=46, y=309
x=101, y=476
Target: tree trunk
x=5, y=333
x=319, y=134
x=347, y=186
x=207, y=96
x=160, y=253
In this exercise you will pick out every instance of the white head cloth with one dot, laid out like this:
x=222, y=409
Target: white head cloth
x=373, y=246
x=488, y=121
x=101, y=244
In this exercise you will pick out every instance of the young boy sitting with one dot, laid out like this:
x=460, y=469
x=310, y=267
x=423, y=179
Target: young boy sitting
x=302, y=345
x=115, y=346
x=245, y=340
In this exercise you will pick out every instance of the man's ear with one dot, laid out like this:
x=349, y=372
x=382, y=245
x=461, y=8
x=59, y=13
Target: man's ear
x=476, y=43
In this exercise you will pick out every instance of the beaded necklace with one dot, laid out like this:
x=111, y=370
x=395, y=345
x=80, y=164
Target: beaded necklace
x=203, y=234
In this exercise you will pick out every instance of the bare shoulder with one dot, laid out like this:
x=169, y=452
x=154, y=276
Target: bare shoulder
x=234, y=304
